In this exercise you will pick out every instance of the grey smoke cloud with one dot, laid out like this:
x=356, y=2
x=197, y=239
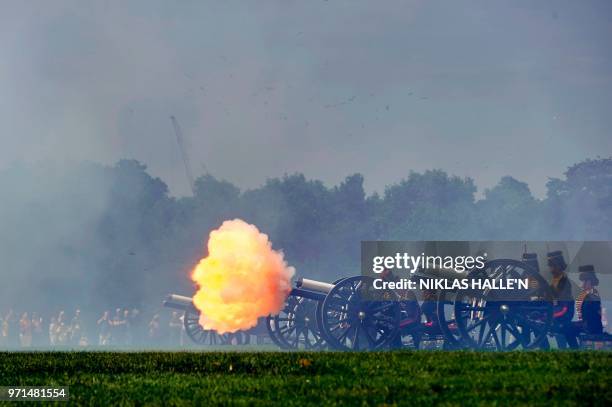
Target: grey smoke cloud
x=480, y=89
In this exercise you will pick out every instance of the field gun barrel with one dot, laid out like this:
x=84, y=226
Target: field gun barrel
x=312, y=289
x=180, y=302
x=314, y=285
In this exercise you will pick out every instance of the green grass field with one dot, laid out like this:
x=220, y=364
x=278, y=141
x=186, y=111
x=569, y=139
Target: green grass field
x=325, y=378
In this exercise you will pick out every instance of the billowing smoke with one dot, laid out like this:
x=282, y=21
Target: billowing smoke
x=241, y=279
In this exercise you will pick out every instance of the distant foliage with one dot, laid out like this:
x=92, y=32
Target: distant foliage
x=100, y=236
x=580, y=206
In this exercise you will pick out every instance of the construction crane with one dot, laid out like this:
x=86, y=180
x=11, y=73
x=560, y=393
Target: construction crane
x=181, y=145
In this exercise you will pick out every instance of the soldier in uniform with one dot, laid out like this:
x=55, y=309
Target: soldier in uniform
x=563, y=310
x=175, y=326
x=531, y=259
x=76, y=328
x=588, y=307
x=25, y=331
x=37, y=330
x=12, y=323
x=155, y=331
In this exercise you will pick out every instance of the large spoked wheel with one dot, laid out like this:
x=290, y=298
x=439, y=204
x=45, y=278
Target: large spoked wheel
x=446, y=320
x=271, y=327
x=202, y=336
x=352, y=320
x=504, y=319
x=295, y=327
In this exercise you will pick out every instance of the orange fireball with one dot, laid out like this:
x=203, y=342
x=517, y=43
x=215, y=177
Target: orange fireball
x=241, y=279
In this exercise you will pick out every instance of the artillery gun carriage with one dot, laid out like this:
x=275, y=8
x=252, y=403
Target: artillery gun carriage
x=349, y=315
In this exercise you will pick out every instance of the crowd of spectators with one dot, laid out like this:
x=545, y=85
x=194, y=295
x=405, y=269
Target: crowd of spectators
x=128, y=328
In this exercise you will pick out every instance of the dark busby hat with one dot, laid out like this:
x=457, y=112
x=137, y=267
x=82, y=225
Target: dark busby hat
x=587, y=272
x=531, y=259
x=555, y=259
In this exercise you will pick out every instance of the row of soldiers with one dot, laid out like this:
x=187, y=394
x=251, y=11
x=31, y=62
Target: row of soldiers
x=586, y=307
x=123, y=328
x=28, y=330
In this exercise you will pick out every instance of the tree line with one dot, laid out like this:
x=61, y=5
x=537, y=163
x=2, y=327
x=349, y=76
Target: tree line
x=92, y=235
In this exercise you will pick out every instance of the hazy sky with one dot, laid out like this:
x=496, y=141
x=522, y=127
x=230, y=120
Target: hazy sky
x=327, y=88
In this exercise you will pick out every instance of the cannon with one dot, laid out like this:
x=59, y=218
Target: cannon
x=340, y=316
x=345, y=316
x=348, y=318
x=505, y=320
x=194, y=330
x=348, y=315
x=498, y=319
x=296, y=325
x=480, y=318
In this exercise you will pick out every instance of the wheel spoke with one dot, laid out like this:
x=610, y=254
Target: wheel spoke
x=495, y=338
x=380, y=308
x=477, y=324
x=531, y=324
x=369, y=338
x=355, y=341
x=343, y=336
x=482, y=339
